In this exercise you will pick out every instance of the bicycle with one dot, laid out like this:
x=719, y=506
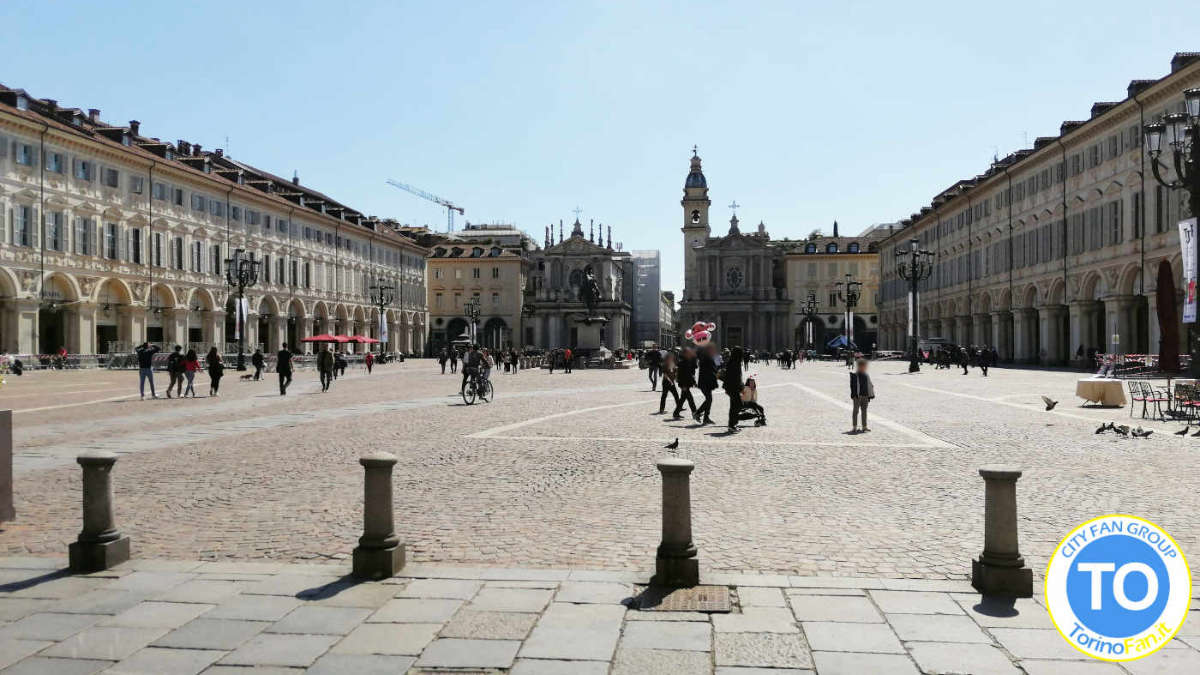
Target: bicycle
x=476, y=387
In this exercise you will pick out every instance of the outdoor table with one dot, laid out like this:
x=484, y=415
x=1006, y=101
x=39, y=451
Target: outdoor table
x=1108, y=392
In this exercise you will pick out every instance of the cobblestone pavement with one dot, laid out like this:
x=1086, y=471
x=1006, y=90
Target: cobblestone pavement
x=559, y=470
x=160, y=616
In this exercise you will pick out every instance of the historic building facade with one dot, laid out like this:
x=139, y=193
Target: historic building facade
x=111, y=237
x=821, y=266
x=752, y=286
x=556, y=313
x=1054, y=250
x=490, y=263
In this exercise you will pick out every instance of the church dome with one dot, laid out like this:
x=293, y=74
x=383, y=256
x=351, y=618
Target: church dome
x=695, y=177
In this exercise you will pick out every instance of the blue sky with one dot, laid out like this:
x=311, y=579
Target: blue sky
x=804, y=112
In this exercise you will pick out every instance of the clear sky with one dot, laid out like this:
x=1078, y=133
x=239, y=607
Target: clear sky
x=804, y=112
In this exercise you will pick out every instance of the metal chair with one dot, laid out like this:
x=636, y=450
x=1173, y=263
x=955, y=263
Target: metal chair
x=1135, y=395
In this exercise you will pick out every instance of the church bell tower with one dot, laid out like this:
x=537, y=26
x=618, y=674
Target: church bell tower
x=695, y=204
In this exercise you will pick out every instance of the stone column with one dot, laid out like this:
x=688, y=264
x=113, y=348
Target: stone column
x=1000, y=569
x=976, y=336
x=1152, y=323
x=7, y=512
x=85, y=315
x=1117, y=315
x=379, y=553
x=1080, y=316
x=1022, y=345
x=27, y=326
x=676, y=564
x=100, y=544
x=997, y=337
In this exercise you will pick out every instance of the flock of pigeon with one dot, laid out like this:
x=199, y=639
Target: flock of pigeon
x=1124, y=431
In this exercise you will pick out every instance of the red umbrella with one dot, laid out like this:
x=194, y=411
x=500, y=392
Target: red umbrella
x=325, y=337
x=362, y=339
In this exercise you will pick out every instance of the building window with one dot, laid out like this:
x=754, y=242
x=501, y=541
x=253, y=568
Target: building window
x=137, y=184
x=495, y=272
x=83, y=236
x=308, y=275
x=495, y=299
x=177, y=254
x=214, y=255
x=458, y=273
x=83, y=169
x=135, y=246
x=197, y=256
x=1138, y=221
x=160, y=191
x=110, y=178
x=157, y=250
x=54, y=235
x=110, y=241
x=23, y=154
x=437, y=273
x=178, y=197
x=198, y=202
x=833, y=299
x=235, y=213
x=266, y=268
x=474, y=272
x=55, y=162
x=1160, y=210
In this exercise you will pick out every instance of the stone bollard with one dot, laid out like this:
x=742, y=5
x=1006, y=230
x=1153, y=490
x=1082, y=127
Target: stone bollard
x=7, y=512
x=100, y=545
x=1000, y=570
x=675, y=565
x=379, y=553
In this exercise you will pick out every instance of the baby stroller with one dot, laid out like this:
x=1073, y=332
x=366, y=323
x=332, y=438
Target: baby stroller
x=751, y=410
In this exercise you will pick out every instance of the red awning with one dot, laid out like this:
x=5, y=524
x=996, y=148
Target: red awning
x=325, y=337
x=362, y=339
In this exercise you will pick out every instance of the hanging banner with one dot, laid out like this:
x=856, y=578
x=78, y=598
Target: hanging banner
x=1187, y=243
x=383, y=334
x=241, y=309
x=910, y=315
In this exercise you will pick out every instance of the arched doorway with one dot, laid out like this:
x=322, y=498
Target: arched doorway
x=295, y=315
x=112, y=301
x=495, y=332
x=56, y=314
x=158, y=308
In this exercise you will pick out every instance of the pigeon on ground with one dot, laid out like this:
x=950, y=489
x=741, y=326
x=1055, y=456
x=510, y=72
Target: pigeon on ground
x=1183, y=432
x=1196, y=434
x=673, y=444
x=1103, y=428
x=1122, y=430
x=1050, y=403
x=1143, y=433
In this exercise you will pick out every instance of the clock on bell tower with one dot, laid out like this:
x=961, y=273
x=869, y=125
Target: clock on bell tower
x=695, y=204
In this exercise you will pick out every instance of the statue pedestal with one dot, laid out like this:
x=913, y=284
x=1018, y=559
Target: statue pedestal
x=591, y=332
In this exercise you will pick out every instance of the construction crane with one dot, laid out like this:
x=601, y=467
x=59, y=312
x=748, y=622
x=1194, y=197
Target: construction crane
x=450, y=208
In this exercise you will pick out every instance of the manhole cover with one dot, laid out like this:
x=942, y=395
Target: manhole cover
x=694, y=599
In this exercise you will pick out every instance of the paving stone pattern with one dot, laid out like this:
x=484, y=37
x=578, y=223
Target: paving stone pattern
x=519, y=621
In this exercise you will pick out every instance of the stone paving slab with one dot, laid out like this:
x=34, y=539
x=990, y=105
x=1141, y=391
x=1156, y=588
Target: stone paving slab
x=478, y=631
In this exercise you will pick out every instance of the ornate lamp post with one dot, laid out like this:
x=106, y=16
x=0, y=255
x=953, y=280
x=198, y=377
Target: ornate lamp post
x=241, y=271
x=809, y=311
x=849, y=291
x=382, y=295
x=914, y=266
x=472, y=311
x=528, y=310
x=1182, y=133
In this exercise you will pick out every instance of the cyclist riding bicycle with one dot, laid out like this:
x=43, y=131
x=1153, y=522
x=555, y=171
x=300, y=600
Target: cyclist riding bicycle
x=472, y=361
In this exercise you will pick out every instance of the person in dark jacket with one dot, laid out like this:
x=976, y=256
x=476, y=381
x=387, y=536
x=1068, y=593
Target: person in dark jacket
x=259, y=363
x=653, y=366
x=686, y=379
x=145, y=357
x=216, y=370
x=670, y=373
x=707, y=367
x=732, y=384
x=175, y=370
x=325, y=366
x=861, y=393
x=985, y=360
x=283, y=367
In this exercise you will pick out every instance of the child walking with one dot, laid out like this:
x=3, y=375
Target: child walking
x=861, y=393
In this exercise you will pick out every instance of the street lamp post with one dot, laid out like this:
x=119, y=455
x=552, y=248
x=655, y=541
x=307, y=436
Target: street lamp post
x=1182, y=133
x=914, y=266
x=850, y=295
x=472, y=311
x=241, y=271
x=809, y=311
x=528, y=311
x=382, y=295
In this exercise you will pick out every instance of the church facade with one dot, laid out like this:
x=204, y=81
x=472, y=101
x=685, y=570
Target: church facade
x=557, y=315
x=737, y=281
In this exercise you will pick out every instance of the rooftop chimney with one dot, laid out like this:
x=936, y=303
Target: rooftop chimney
x=196, y=150
x=295, y=177
x=183, y=147
x=51, y=105
x=219, y=152
x=134, y=125
x=93, y=115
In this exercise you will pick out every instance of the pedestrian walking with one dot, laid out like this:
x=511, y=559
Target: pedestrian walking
x=861, y=393
x=568, y=356
x=369, y=360
x=985, y=360
x=216, y=370
x=551, y=357
x=175, y=371
x=670, y=373
x=653, y=361
x=454, y=359
x=283, y=368
x=259, y=363
x=732, y=384
x=685, y=379
x=191, y=364
x=443, y=357
x=145, y=357
x=707, y=367
x=325, y=367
